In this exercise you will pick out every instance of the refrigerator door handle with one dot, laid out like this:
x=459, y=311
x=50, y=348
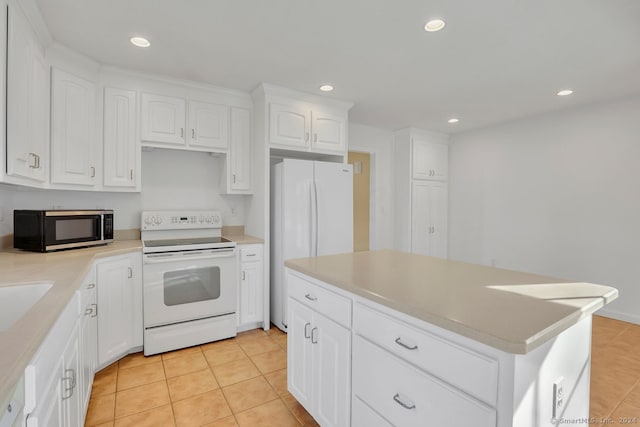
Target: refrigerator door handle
x=317, y=222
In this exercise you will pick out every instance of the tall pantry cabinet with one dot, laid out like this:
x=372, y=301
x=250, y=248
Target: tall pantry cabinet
x=421, y=192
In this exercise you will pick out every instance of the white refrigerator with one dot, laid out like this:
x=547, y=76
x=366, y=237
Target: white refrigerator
x=311, y=215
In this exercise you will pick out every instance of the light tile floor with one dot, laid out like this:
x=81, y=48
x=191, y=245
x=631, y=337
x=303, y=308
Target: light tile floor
x=243, y=382
x=240, y=381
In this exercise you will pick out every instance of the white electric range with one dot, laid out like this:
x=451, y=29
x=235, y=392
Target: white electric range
x=189, y=280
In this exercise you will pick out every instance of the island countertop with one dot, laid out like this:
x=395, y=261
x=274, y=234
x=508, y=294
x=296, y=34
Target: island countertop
x=509, y=310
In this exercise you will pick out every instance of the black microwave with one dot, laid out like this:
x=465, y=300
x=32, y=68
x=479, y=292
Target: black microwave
x=45, y=231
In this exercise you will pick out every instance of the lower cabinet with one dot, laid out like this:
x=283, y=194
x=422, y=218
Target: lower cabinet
x=88, y=336
x=251, y=287
x=319, y=362
x=119, y=283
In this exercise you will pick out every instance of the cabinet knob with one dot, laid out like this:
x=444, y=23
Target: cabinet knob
x=93, y=171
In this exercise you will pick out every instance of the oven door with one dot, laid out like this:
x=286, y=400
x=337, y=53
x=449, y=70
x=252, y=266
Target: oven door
x=183, y=286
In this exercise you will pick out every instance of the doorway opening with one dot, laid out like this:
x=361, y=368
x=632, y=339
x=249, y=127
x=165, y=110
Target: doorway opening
x=361, y=163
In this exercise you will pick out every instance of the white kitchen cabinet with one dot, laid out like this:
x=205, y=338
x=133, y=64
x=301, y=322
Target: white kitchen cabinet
x=27, y=100
x=163, y=119
x=420, y=195
x=164, y=123
x=73, y=155
x=88, y=337
x=318, y=358
x=121, y=147
x=429, y=160
x=119, y=297
x=306, y=127
x=52, y=396
x=429, y=218
x=251, y=289
x=237, y=176
x=208, y=125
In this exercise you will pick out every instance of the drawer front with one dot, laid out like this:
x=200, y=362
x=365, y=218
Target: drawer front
x=461, y=367
x=363, y=416
x=332, y=305
x=408, y=397
x=251, y=253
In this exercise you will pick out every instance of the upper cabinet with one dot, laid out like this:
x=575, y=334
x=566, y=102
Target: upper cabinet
x=73, y=153
x=121, y=147
x=306, y=127
x=27, y=100
x=164, y=123
x=304, y=123
x=237, y=177
x=429, y=159
x=163, y=120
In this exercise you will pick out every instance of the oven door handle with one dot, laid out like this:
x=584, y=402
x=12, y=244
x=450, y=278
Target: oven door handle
x=177, y=257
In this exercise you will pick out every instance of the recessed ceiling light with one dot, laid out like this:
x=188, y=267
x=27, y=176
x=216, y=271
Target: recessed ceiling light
x=565, y=92
x=453, y=120
x=434, y=25
x=140, y=41
x=326, y=88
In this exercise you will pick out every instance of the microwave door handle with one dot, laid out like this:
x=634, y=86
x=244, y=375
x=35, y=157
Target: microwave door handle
x=101, y=225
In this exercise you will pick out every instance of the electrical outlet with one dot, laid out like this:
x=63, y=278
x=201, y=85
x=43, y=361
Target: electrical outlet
x=558, y=397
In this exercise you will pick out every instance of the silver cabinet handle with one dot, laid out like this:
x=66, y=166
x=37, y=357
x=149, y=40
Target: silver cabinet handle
x=193, y=133
x=313, y=331
x=408, y=347
x=72, y=382
x=250, y=255
x=306, y=137
x=34, y=157
x=130, y=272
x=37, y=161
x=95, y=310
x=93, y=172
x=243, y=275
x=181, y=132
x=131, y=174
x=315, y=137
x=306, y=330
x=234, y=178
x=311, y=297
x=91, y=285
x=401, y=403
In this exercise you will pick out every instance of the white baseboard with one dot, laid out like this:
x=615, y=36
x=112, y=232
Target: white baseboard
x=618, y=315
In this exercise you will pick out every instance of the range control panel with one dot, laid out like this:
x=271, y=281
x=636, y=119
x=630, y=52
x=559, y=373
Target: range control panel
x=180, y=220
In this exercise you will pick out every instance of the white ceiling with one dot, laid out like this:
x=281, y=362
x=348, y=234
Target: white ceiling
x=495, y=60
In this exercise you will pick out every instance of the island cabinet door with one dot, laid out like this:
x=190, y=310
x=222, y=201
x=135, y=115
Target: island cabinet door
x=299, y=357
x=331, y=372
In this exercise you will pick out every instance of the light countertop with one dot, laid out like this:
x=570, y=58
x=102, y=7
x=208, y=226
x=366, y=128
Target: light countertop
x=66, y=270
x=243, y=239
x=508, y=310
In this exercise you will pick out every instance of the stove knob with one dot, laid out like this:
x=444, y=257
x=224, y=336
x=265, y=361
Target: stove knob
x=216, y=218
x=158, y=221
x=147, y=220
x=201, y=219
x=208, y=219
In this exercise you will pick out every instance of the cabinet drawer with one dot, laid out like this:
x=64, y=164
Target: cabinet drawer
x=332, y=305
x=408, y=397
x=250, y=253
x=472, y=372
x=363, y=416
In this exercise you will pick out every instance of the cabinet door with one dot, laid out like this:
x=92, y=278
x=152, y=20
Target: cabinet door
x=163, y=119
x=27, y=100
x=429, y=160
x=329, y=132
x=120, y=145
x=71, y=390
x=239, y=165
x=289, y=125
x=49, y=411
x=251, y=299
x=208, y=125
x=88, y=338
x=299, y=354
x=331, y=372
x=429, y=206
x=115, y=308
x=72, y=129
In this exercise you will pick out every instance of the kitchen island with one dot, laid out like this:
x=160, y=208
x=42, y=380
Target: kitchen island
x=389, y=338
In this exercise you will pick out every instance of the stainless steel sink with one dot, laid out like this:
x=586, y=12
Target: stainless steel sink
x=16, y=299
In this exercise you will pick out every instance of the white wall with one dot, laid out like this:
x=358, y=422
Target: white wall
x=557, y=194
x=170, y=180
x=379, y=143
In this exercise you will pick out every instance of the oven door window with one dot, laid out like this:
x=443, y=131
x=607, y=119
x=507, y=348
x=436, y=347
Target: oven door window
x=191, y=285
